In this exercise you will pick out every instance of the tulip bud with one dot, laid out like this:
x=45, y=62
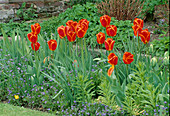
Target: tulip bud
x=166, y=60
x=166, y=54
x=153, y=61
x=161, y=73
x=151, y=48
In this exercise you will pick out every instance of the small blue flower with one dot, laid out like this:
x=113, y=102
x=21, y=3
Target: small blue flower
x=157, y=105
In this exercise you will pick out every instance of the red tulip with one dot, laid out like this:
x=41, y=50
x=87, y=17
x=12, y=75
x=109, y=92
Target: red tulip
x=110, y=71
x=100, y=38
x=35, y=45
x=52, y=44
x=145, y=36
x=111, y=30
x=71, y=36
x=138, y=22
x=67, y=29
x=105, y=20
x=112, y=59
x=36, y=28
x=84, y=23
x=137, y=29
x=80, y=31
x=61, y=31
x=72, y=24
x=127, y=58
x=109, y=43
x=32, y=37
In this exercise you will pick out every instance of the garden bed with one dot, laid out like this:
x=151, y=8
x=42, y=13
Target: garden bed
x=61, y=69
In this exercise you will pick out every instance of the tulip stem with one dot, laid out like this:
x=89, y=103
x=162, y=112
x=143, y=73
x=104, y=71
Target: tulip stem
x=101, y=51
x=127, y=70
x=117, y=75
x=36, y=64
x=138, y=45
x=69, y=48
x=85, y=47
x=82, y=55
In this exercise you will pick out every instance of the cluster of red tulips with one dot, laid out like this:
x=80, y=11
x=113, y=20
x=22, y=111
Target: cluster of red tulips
x=33, y=37
x=111, y=30
x=137, y=28
x=72, y=29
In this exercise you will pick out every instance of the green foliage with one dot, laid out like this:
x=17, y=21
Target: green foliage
x=106, y=96
x=149, y=5
x=144, y=91
x=9, y=27
x=161, y=46
x=26, y=14
x=83, y=87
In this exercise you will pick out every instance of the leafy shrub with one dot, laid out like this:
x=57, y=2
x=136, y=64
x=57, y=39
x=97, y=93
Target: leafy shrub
x=9, y=27
x=161, y=46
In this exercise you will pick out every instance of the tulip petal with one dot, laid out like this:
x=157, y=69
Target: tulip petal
x=110, y=71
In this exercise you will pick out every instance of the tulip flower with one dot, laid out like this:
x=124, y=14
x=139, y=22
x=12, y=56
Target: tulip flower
x=127, y=58
x=109, y=43
x=137, y=29
x=67, y=29
x=36, y=28
x=71, y=36
x=112, y=59
x=105, y=20
x=80, y=31
x=52, y=44
x=138, y=22
x=111, y=30
x=61, y=31
x=72, y=24
x=84, y=23
x=110, y=71
x=32, y=37
x=145, y=36
x=35, y=45
x=100, y=38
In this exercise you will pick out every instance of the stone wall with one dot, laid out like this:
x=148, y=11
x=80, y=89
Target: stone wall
x=44, y=8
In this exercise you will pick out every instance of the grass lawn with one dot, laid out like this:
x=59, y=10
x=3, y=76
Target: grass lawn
x=10, y=110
